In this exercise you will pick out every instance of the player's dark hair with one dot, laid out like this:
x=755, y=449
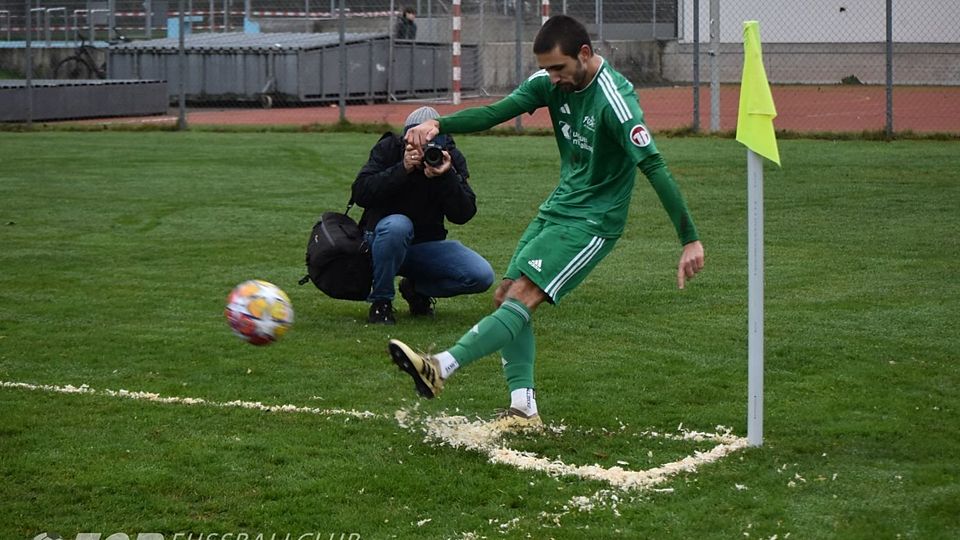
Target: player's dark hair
x=409, y=10
x=564, y=31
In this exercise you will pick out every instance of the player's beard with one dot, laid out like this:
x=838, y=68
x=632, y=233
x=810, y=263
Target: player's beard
x=579, y=80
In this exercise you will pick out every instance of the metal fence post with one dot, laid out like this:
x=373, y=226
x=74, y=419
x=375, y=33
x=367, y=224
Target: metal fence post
x=29, y=66
x=343, y=61
x=696, y=66
x=889, y=125
x=391, y=52
x=714, y=65
x=518, y=11
x=654, y=19
x=148, y=16
x=181, y=70
x=112, y=20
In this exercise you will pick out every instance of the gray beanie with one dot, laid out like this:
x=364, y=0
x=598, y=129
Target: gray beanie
x=419, y=116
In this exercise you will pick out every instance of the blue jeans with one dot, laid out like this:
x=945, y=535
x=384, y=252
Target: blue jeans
x=440, y=269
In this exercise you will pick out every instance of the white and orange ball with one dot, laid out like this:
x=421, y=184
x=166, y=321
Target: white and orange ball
x=259, y=312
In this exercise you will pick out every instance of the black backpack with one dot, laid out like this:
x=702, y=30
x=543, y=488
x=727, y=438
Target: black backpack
x=338, y=257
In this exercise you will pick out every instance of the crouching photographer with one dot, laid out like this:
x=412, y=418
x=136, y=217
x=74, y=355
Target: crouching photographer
x=406, y=195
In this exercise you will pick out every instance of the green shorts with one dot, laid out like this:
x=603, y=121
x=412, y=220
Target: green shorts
x=557, y=257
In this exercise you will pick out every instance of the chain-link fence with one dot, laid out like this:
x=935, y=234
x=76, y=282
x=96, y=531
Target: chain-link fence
x=836, y=65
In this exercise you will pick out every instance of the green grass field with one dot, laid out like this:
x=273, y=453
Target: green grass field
x=118, y=250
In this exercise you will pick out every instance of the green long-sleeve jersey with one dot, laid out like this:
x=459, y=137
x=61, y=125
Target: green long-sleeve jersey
x=602, y=138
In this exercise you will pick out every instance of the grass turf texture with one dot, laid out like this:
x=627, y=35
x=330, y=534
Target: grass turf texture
x=119, y=249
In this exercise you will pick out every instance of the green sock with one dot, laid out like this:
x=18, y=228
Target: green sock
x=518, y=357
x=492, y=333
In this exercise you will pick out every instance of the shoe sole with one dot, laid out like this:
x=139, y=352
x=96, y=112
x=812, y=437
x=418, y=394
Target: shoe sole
x=517, y=422
x=518, y=425
x=400, y=354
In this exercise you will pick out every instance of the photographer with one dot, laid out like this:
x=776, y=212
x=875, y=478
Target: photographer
x=405, y=199
x=406, y=25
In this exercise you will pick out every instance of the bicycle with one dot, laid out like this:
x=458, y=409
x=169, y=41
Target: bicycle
x=82, y=64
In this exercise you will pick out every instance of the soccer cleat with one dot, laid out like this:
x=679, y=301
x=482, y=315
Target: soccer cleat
x=381, y=312
x=423, y=368
x=420, y=305
x=514, y=420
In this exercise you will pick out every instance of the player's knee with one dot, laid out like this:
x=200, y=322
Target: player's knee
x=501, y=293
x=527, y=292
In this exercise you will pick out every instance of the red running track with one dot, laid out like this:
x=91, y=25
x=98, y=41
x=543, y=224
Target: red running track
x=800, y=108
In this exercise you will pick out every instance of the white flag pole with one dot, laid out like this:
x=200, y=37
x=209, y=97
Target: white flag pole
x=755, y=298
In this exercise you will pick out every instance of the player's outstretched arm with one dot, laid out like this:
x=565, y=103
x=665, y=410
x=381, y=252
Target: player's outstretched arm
x=691, y=262
x=468, y=120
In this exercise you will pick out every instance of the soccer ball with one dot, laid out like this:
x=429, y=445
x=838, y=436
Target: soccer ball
x=259, y=312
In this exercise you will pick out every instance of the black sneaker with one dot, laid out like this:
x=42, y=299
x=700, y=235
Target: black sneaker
x=381, y=312
x=420, y=305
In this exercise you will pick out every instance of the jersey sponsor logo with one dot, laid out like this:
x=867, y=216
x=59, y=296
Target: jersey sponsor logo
x=537, y=264
x=639, y=136
x=565, y=108
x=589, y=123
x=574, y=137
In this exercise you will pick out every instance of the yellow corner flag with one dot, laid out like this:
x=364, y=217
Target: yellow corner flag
x=757, y=111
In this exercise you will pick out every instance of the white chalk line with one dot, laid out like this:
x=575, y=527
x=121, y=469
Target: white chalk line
x=483, y=437
x=462, y=433
x=157, y=398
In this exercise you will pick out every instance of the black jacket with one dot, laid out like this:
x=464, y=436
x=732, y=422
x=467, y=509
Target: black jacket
x=406, y=29
x=383, y=187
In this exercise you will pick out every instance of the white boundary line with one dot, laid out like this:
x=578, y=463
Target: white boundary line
x=157, y=398
x=460, y=432
x=480, y=436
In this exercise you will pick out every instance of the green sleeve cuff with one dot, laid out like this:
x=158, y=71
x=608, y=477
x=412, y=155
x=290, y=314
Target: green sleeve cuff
x=656, y=171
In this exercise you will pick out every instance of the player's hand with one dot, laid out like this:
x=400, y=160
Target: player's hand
x=691, y=262
x=423, y=133
x=433, y=172
x=411, y=158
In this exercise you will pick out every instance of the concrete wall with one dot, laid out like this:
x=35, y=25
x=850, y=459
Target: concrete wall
x=639, y=61
x=824, y=63
x=829, y=21
x=438, y=29
x=658, y=62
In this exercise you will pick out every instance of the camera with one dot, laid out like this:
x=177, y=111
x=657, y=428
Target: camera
x=433, y=150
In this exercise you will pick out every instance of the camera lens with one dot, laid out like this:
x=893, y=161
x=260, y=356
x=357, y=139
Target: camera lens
x=433, y=156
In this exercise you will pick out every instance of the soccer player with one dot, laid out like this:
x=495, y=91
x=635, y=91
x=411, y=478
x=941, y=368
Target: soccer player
x=601, y=136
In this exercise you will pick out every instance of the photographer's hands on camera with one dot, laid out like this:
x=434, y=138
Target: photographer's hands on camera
x=417, y=140
x=413, y=158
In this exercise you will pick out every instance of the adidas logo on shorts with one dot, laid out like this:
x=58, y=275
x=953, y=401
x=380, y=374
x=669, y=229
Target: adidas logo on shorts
x=537, y=264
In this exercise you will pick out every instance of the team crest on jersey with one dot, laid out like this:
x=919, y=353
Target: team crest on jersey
x=589, y=123
x=639, y=136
